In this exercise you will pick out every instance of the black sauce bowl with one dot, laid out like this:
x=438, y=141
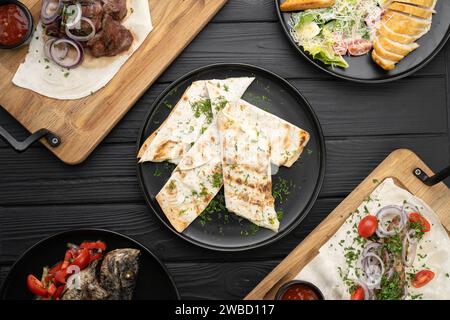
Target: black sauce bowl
x=289, y=284
x=29, y=16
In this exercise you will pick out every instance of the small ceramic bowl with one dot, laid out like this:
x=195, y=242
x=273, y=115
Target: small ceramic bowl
x=29, y=16
x=290, y=284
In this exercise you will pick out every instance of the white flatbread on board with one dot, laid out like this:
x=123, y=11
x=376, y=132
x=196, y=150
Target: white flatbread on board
x=434, y=249
x=40, y=75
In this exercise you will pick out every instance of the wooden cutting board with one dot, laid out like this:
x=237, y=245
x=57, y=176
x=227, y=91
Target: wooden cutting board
x=398, y=165
x=82, y=124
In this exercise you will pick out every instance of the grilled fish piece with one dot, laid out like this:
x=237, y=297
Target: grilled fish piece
x=90, y=288
x=118, y=273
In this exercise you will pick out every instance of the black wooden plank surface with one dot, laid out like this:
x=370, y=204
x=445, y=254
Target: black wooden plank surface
x=40, y=196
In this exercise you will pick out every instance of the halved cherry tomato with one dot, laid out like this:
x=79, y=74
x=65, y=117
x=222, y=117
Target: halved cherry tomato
x=51, y=290
x=422, y=278
x=67, y=258
x=55, y=268
x=36, y=286
x=94, y=245
x=367, y=226
x=358, y=294
x=58, y=292
x=60, y=276
x=359, y=47
x=83, y=259
x=415, y=217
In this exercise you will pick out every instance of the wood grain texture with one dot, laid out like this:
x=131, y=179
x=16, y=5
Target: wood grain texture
x=82, y=124
x=109, y=176
x=40, y=196
x=399, y=165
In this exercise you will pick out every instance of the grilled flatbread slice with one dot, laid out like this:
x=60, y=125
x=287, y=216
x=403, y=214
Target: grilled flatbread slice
x=296, y=5
x=190, y=117
x=247, y=171
x=287, y=141
x=194, y=182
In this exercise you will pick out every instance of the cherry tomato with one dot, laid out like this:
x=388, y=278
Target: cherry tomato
x=94, y=245
x=422, y=278
x=36, y=286
x=83, y=259
x=358, y=294
x=415, y=217
x=367, y=226
x=359, y=47
x=67, y=258
x=55, y=268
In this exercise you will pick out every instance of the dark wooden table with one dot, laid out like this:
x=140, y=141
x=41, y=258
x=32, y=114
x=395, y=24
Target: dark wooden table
x=39, y=195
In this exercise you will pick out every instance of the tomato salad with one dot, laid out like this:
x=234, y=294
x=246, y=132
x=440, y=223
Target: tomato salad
x=390, y=239
x=54, y=280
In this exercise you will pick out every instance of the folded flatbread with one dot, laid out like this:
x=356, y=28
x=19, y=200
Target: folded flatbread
x=327, y=268
x=190, y=117
x=37, y=73
x=246, y=171
x=198, y=177
x=194, y=182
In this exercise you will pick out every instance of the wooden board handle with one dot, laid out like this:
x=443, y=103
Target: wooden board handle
x=20, y=146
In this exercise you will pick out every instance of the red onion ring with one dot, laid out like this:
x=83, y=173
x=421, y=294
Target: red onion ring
x=82, y=38
x=408, y=259
x=54, y=6
x=373, y=274
x=395, y=211
x=78, y=14
x=61, y=61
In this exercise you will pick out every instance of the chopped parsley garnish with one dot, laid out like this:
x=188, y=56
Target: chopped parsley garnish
x=394, y=245
x=220, y=104
x=281, y=189
x=216, y=180
x=157, y=172
x=203, y=107
x=391, y=288
x=172, y=185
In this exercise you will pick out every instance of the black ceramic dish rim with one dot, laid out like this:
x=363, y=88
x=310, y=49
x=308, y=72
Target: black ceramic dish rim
x=322, y=165
x=30, y=21
x=94, y=230
x=353, y=79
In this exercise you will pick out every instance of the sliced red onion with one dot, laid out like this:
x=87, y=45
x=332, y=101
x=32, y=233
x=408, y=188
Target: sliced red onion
x=370, y=247
x=67, y=61
x=82, y=38
x=409, y=251
x=48, y=44
x=392, y=211
x=73, y=14
x=407, y=209
x=373, y=268
x=50, y=10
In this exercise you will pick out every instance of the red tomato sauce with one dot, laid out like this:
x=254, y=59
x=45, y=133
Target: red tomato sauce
x=299, y=292
x=14, y=24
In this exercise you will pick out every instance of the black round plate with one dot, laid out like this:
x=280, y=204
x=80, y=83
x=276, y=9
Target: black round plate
x=154, y=281
x=226, y=232
x=363, y=69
